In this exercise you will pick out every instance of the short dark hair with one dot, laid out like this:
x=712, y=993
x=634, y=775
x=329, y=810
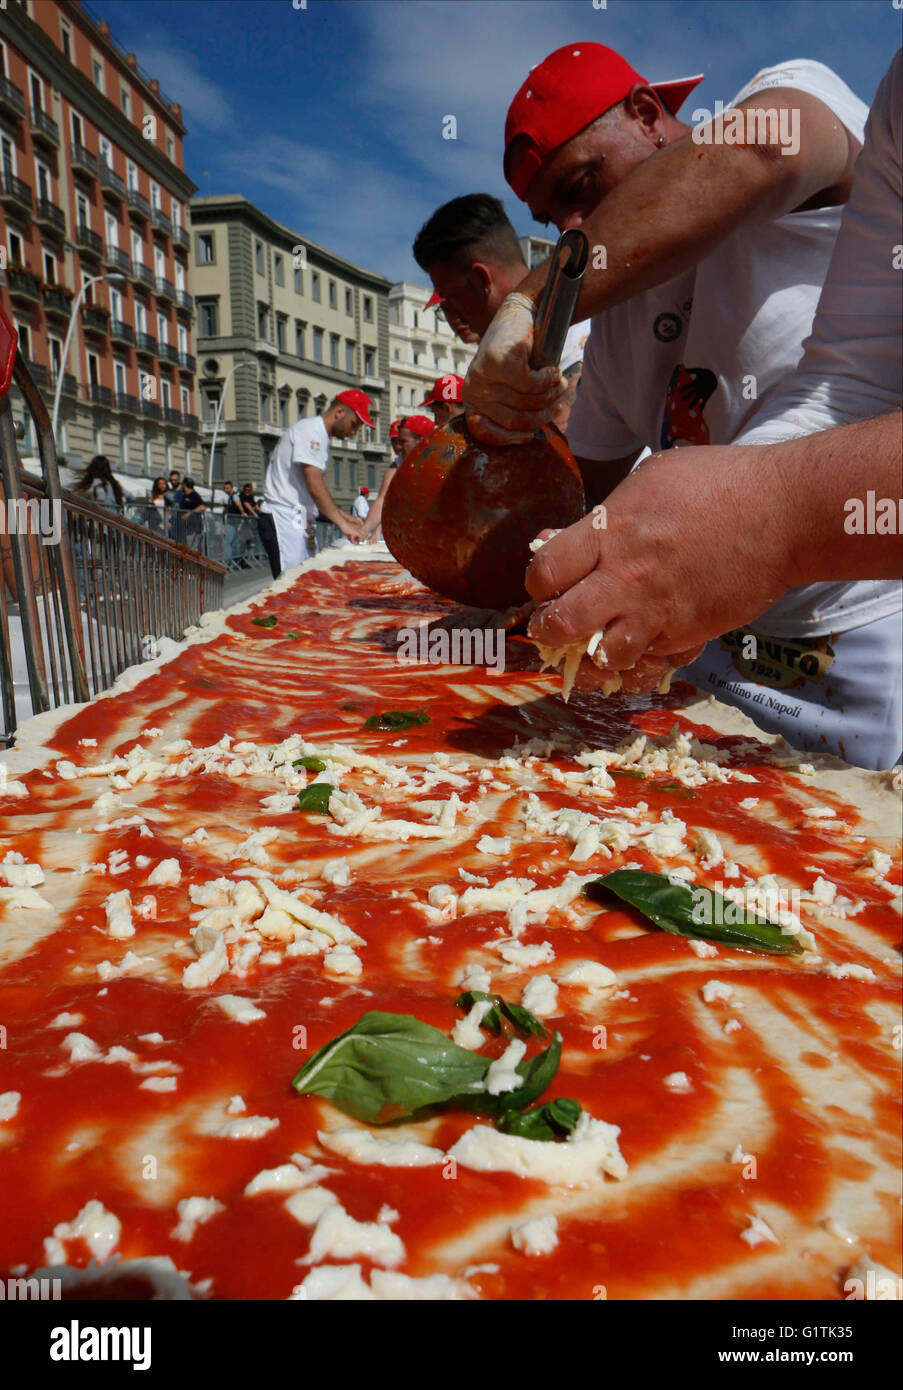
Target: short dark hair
x=476, y=220
x=228, y=483
x=188, y=482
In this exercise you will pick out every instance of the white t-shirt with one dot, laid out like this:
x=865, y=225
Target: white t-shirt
x=575, y=344
x=852, y=366
x=285, y=489
x=693, y=360
x=360, y=506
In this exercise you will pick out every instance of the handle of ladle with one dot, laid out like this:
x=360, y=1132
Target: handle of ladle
x=556, y=306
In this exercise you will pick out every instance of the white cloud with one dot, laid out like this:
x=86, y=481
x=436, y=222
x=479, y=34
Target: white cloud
x=204, y=103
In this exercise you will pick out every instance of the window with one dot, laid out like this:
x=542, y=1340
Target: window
x=299, y=337
x=78, y=130
x=49, y=268
x=165, y=393
x=66, y=40
x=155, y=195
x=120, y=377
x=369, y=362
x=36, y=89
x=56, y=357
x=349, y=303
x=8, y=152
x=283, y=412
x=396, y=355
x=371, y=475
x=97, y=71
x=208, y=318
x=368, y=309
x=125, y=101
x=210, y=403
x=116, y=303
x=315, y=285
x=131, y=175
x=93, y=369
x=333, y=295
x=337, y=474
x=333, y=349
x=349, y=357
x=318, y=345
x=83, y=211
x=111, y=227
x=263, y=321
x=281, y=321
x=185, y=396
x=170, y=147
x=140, y=317
x=162, y=330
x=416, y=319
x=24, y=338
x=137, y=248
x=278, y=270
x=176, y=213
x=106, y=150
x=258, y=257
x=42, y=173
x=159, y=263
x=204, y=243
x=180, y=275
x=299, y=281
x=182, y=335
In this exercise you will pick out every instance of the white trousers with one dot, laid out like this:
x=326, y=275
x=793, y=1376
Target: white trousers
x=291, y=532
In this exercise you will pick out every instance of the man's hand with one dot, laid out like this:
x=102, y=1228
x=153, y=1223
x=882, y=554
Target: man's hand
x=351, y=526
x=505, y=399
x=691, y=544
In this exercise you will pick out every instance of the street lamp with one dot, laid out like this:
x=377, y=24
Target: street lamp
x=92, y=280
x=248, y=362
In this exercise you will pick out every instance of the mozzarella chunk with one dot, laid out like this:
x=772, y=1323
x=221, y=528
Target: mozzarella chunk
x=536, y=1237
x=502, y=1075
x=591, y=1149
x=194, y=1212
x=360, y=1146
x=540, y=996
x=238, y=1008
x=168, y=871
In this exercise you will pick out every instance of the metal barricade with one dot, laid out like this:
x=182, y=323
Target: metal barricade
x=231, y=540
x=93, y=591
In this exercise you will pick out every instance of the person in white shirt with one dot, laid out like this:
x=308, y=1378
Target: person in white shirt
x=295, y=486
x=809, y=492
x=470, y=251
x=360, y=507
x=717, y=239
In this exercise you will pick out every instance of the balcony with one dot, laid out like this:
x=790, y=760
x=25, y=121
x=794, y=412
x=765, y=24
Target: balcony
x=128, y=404
x=164, y=289
x=101, y=395
x=146, y=344
x=15, y=192
x=94, y=320
x=88, y=242
x=44, y=131
x=150, y=410
x=160, y=221
x=373, y=383
x=190, y=421
x=181, y=238
x=70, y=385
x=122, y=332
x=110, y=182
x=12, y=102
x=49, y=216
x=138, y=205
x=23, y=285
x=38, y=372
x=186, y=362
x=143, y=275
x=185, y=300
x=57, y=301
x=167, y=353
x=270, y=427
x=118, y=259
x=83, y=161
x=265, y=346
x=171, y=415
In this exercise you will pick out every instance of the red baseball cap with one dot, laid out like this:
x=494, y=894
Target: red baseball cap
x=418, y=424
x=365, y=491
x=435, y=298
x=394, y=428
x=359, y=402
x=446, y=390
x=564, y=93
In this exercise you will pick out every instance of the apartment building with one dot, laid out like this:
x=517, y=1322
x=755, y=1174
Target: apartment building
x=422, y=347
x=92, y=189
x=535, y=249
x=309, y=323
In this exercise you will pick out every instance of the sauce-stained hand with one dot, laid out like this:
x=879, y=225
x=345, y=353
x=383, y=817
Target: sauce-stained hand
x=505, y=399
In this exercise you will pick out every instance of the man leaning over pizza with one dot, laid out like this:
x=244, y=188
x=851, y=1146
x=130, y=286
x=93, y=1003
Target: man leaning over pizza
x=708, y=248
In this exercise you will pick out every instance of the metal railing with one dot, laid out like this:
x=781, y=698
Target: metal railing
x=91, y=591
x=232, y=541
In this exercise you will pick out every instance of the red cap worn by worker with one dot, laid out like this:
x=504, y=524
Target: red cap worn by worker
x=365, y=491
x=446, y=390
x=395, y=427
x=564, y=94
x=418, y=424
x=359, y=402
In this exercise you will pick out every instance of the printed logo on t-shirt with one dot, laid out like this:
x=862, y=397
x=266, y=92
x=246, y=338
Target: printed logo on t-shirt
x=778, y=662
x=668, y=326
x=315, y=445
x=689, y=391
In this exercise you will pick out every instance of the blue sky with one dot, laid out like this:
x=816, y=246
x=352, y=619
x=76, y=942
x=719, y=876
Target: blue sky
x=330, y=117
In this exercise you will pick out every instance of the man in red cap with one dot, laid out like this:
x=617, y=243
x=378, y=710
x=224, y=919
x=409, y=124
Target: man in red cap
x=360, y=507
x=708, y=248
x=444, y=401
x=411, y=431
x=295, y=488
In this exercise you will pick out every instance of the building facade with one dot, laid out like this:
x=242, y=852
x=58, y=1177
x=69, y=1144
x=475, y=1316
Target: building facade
x=310, y=324
x=92, y=185
x=536, y=249
x=422, y=348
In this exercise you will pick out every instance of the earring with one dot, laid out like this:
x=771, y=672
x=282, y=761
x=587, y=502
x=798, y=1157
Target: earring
x=661, y=139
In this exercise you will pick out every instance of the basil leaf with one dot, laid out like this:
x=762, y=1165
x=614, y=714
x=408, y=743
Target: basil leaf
x=387, y=1066
x=692, y=911
x=626, y=772
x=269, y=621
x=521, y=1018
x=395, y=719
x=312, y=764
x=550, y=1121
x=294, y=634
x=351, y=707
x=537, y=1073
x=314, y=799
